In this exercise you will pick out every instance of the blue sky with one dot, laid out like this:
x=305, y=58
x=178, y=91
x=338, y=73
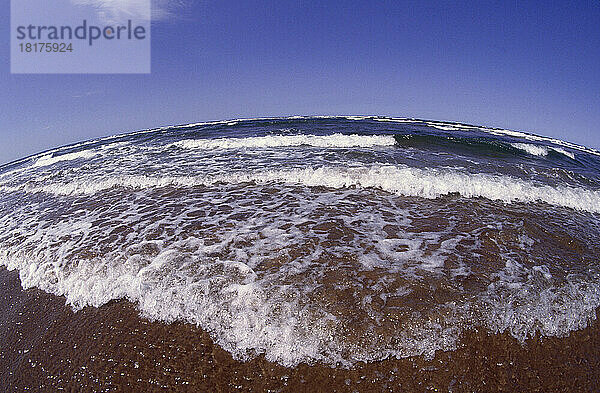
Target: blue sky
x=529, y=66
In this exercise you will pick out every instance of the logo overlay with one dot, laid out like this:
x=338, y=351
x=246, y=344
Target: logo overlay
x=79, y=37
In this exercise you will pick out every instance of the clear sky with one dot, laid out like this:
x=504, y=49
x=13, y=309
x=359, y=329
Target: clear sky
x=529, y=66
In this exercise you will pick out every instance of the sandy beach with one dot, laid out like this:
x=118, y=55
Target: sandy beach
x=47, y=347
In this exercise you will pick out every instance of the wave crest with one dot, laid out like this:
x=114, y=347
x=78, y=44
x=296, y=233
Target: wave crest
x=328, y=141
x=405, y=181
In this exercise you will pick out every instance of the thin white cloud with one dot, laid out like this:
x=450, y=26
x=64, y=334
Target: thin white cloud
x=120, y=10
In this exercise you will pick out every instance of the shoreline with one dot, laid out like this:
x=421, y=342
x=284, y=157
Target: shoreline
x=45, y=346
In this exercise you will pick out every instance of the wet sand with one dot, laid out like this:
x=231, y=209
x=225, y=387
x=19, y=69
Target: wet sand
x=45, y=347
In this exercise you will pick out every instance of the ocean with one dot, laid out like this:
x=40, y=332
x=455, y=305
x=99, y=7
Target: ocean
x=318, y=248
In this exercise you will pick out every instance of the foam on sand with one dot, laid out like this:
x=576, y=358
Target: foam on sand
x=313, y=248
x=281, y=271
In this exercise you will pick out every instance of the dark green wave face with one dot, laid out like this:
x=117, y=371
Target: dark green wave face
x=316, y=239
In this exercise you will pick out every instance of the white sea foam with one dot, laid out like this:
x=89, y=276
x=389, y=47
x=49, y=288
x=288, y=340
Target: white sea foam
x=511, y=133
x=259, y=283
x=531, y=137
x=212, y=278
x=277, y=253
x=440, y=125
x=396, y=120
x=564, y=152
x=535, y=150
x=358, y=117
x=328, y=141
x=51, y=158
x=406, y=181
x=443, y=126
x=540, y=150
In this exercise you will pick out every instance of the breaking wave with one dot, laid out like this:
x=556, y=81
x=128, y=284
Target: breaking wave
x=416, y=182
x=385, y=238
x=326, y=141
